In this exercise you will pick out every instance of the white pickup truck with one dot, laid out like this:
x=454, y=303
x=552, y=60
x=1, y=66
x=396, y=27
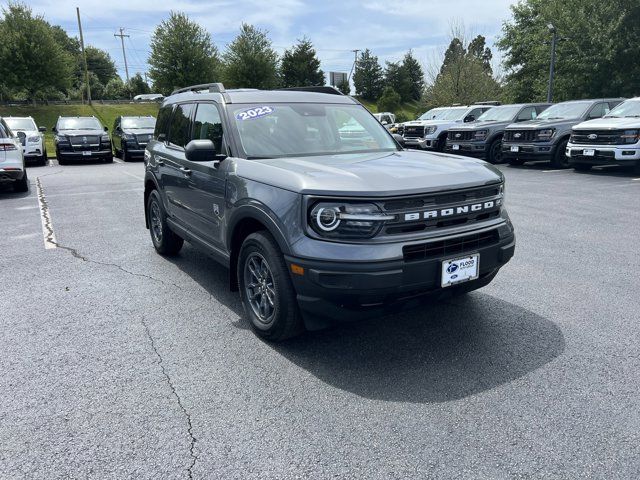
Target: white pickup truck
x=611, y=140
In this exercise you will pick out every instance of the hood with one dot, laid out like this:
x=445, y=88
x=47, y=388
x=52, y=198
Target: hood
x=377, y=174
x=138, y=131
x=77, y=133
x=537, y=124
x=481, y=125
x=609, y=123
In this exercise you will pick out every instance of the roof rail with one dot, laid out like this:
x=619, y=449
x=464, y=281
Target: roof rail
x=494, y=103
x=211, y=87
x=316, y=89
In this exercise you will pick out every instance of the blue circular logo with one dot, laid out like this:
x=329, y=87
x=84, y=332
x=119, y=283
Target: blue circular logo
x=452, y=268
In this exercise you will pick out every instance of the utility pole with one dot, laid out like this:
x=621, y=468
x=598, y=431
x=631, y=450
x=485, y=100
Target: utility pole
x=554, y=42
x=84, y=56
x=124, y=54
x=355, y=60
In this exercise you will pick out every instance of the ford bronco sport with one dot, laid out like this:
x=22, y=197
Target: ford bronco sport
x=313, y=224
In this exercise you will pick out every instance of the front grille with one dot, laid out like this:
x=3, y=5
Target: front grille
x=519, y=135
x=413, y=131
x=468, y=195
x=450, y=247
x=461, y=136
x=84, y=140
x=597, y=137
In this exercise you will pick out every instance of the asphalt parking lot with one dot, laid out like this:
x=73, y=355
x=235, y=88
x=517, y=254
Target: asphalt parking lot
x=118, y=363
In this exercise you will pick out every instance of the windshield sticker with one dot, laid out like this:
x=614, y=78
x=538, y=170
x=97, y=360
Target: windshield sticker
x=255, y=112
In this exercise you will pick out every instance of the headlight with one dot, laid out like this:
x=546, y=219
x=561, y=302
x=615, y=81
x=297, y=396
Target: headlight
x=630, y=136
x=480, y=134
x=35, y=139
x=347, y=220
x=546, y=134
x=128, y=136
x=104, y=138
x=61, y=139
x=430, y=130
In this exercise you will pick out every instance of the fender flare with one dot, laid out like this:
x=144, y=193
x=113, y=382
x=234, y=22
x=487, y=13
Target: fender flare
x=257, y=211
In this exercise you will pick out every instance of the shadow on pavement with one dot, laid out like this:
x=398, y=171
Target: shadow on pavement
x=437, y=353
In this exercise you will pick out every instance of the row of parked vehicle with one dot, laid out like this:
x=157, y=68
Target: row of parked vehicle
x=578, y=134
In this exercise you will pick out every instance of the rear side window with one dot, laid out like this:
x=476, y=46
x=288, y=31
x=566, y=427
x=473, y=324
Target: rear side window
x=162, y=125
x=208, y=125
x=180, y=128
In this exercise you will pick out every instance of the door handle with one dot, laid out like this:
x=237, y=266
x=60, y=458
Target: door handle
x=185, y=171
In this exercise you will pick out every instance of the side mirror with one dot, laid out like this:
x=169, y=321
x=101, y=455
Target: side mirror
x=106, y=129
x=384, y=122
x=42, y=129
x=54, y=130
x=469, y=118
x=399, y=138
x=200, y=151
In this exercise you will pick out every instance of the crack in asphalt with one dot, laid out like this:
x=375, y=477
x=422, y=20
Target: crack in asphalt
x=192, y=438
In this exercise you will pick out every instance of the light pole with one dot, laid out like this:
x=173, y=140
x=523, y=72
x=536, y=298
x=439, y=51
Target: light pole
x=554, y=41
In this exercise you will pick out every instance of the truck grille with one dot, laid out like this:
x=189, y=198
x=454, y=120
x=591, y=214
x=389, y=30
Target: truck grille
x=461, y=136
x=519, y=135
x=425, y=213
x=413, y=131
x=450, y=247
x=597, y=137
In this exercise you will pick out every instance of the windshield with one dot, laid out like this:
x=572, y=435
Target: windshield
x=432, y=114
x=301, y=129
x=499, y=114
x=81, y=123
x=21, y=124
x=457, y=113
x=138, y=122
x=565, y=110
x=630, y=108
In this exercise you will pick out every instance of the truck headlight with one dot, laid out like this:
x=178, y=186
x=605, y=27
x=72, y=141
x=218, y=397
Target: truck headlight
x=347, y=220
x=480, y=135
x=128, y=136
x=546, y=134
x=630, y=136
x=430, y=130
x=35, y=139
x=61, y=139
x=104, y=138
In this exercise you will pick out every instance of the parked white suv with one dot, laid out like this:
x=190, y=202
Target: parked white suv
x=611, y=140
x=12, y=168
x=430, y=130
x=33, y=138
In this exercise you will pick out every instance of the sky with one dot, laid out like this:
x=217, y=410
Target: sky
x=388, y=28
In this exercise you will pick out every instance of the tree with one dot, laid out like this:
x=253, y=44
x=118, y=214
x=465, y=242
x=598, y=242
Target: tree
x=596, y=57
x=115, y=89
x=396, y=78
x=368, y=76
x=414, y=75
x=100, y=63
x=250, y=61
x=345, y=88
x=389, y=101
x=30, y=57
x=182, y=54
x=300, y=67
x=478, y=49
x=137, y=85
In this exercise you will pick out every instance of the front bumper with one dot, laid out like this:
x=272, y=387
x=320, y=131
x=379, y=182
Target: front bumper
x=469, y=149
x=33, y=151
x=331, y=291
x=135, y=151
x=428, y=143
x=528, y=151
x=604, y=154
x=80, y=155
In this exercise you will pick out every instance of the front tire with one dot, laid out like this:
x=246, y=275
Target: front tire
x=43, y=159
x=124, y=157
x=560, y=159
x=164, y=240
x=495, y=151
x=266, y=291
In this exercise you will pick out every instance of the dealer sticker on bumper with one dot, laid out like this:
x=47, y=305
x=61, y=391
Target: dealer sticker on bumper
x=589, y=152
x=458, y=270
x=455, y=147
x=515, y=148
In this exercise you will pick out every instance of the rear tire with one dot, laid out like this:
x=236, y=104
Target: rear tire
x=560, y=159
x=21, y=185
x=266, y=291
x=495, y=151
x=164, y=240
x=582, y=167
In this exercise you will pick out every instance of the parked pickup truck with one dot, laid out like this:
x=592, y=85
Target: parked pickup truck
x=429, y=132
x=317, y=225
x=483, y=138
x=611, y=140
x=546, y=137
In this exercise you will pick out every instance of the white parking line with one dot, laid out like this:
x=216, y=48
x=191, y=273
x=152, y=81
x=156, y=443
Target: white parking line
x=554, y=171
x=134, y=176
x=47, y=226
x=53, y=162
x=117, y=160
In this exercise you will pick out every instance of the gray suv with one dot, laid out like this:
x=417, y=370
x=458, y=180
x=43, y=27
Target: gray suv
x=483, y=138
x=316, y=224
x=546, y=137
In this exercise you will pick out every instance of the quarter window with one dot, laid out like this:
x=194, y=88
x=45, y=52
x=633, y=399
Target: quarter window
x=162, y=125
x=180, y=129
x=208, y=125
x=528, y=113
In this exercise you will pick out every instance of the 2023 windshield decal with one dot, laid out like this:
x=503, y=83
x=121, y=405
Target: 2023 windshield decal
x=255, y=112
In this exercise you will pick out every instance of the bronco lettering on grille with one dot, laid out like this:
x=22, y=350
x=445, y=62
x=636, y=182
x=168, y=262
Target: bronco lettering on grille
x=447, y=212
